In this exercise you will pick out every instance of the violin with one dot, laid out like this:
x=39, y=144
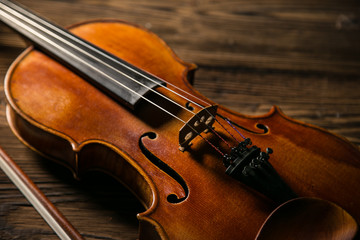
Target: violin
x=111, y=96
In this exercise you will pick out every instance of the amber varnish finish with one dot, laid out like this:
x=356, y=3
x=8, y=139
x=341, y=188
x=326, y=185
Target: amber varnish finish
x=64, y=117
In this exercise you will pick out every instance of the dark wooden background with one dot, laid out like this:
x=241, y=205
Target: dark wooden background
x=301, y=55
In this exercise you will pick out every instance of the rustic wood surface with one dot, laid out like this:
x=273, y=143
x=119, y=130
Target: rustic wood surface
x=301, y=55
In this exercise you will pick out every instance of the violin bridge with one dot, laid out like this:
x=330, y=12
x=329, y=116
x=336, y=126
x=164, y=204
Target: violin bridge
x=199, y=123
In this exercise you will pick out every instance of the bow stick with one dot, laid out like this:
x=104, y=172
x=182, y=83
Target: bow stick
x=39, y=201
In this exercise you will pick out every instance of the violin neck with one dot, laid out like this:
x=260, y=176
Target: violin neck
x=117, y=78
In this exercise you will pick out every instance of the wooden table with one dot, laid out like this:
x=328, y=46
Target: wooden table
x=301, y=55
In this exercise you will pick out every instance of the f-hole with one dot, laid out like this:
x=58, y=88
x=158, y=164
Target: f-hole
x=263, y=127
x=172, y=198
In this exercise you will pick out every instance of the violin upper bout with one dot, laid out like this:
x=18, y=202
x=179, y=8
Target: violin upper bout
x=138, y=46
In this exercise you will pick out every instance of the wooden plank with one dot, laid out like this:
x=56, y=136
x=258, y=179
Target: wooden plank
x=301, y=55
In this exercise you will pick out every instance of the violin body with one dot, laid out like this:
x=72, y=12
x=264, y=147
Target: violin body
x=186, y=193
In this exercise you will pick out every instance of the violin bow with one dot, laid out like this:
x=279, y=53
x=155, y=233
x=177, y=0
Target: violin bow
x=52, y=216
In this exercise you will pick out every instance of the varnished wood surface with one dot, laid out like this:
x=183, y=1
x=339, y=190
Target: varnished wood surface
x=302, y=56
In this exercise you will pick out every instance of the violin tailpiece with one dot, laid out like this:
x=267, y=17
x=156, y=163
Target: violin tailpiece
x=250, y=166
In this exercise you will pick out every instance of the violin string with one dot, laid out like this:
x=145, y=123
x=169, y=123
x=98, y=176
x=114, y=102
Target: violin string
x=229, y=122
x=212, y=145
x=219, y=136
x=114, y=80
x=161, y=108
x=52, y=43
x=129, y=89
x=108, y=56
x=74, y=38
x=228, y=130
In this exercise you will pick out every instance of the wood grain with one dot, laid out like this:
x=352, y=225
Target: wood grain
x=301, y=55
